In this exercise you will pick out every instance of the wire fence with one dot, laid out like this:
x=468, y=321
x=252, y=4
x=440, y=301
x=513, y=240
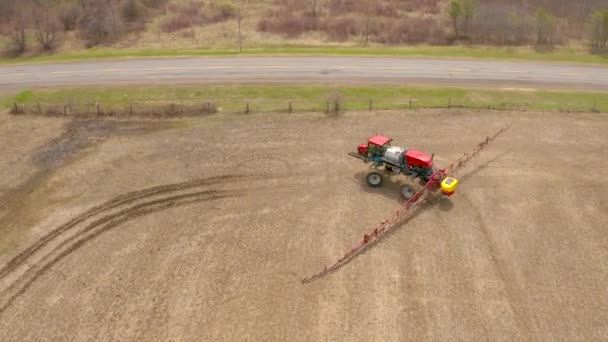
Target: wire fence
x=333, y=106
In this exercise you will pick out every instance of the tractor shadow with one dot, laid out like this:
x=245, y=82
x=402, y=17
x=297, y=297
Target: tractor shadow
x=390, y=188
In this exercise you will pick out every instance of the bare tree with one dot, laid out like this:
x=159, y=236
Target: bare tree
x=468, y=8
x=45, y=28
x=130, y=10
x=17, y=31
x=545, y=22
x=455, y=12
x=68, y=15
x=100, y=24
x=239, y=19
x=369, y=6
x=84, y=4
x=599, y=29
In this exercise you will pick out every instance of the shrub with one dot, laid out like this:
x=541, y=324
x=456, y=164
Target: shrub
x=185, y=15
x=130, y=10
x=69, y=15
x=545, y=24
x=291, y=26
x=225, y=10
x=16, y=32
x=45, y=27
x=599, y=29
x=182, y=16
x=342, y=28
x=377, y=20
x=100, y=26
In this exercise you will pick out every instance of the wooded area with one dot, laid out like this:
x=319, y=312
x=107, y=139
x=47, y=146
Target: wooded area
x=43, y=24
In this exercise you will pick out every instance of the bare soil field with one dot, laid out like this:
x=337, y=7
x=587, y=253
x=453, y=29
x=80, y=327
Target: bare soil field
x=202, y=229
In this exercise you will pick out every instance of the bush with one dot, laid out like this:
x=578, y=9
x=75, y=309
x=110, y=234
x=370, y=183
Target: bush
x=69, y=16
x=130, y=10
x=45, y=27
x=178, y=22
x=545, y=27
x=225, y=10
x=599, y=30
x=290, y=26
x=16, y=31
x=501, y=25
x=100, y=26
x=411, y=31
x=334, y=103
x=185, y=15
x=343, y=28
x=154, y=3
x=377, y=20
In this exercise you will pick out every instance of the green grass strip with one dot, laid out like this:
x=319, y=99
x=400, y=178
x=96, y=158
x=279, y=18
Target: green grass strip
x=484, y=52
x=268, y=98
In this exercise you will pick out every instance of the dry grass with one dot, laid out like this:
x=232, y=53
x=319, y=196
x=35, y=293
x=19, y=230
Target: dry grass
x=386, y=21
x=206, y=24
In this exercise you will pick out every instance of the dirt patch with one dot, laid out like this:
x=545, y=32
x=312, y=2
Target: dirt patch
x=236, y=209
x=76, y=139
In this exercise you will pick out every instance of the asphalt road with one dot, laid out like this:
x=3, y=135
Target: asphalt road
x=408, y=71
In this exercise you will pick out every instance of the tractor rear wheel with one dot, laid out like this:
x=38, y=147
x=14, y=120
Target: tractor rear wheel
x=374, y=179
x=408, y=191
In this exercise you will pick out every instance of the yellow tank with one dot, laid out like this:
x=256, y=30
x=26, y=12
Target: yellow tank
x=449, y=185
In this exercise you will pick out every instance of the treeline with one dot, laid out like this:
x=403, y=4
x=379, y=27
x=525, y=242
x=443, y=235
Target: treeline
x=493, y=22
x=380, y=21
x=539, y=22
x=93, y=21
x=43, y=23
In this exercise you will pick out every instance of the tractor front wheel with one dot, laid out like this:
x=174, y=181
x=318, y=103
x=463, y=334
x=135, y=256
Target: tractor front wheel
x=374, y=179
x=408, y=191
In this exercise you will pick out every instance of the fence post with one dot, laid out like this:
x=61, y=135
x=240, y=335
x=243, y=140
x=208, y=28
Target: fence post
x=327, y=107
x=39, y=108
x=371, y=104
x=247, y=108
x=290, y=107
x=450, y=103
x=98, y=108
x=15, y=108
x=410, y=103
x=595, y=106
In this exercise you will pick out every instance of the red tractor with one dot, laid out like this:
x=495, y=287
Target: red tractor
x=390, y=160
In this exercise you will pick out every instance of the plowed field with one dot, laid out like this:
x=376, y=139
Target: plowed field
x=202, y=228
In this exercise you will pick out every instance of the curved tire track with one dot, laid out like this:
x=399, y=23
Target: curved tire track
x=17, y=276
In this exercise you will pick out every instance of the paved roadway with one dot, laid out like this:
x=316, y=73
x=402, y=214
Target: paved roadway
x=355, y=70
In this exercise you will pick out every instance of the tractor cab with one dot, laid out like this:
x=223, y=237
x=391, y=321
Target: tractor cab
x=418, y=159
x=419, y=164
x=376, y=146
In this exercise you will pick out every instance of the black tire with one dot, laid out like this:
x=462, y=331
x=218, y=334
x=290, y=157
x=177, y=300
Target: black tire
x=408, y=191
x=374, y=179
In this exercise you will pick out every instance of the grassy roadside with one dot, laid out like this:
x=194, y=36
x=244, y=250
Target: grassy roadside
x=482, y=52
x=267, y=98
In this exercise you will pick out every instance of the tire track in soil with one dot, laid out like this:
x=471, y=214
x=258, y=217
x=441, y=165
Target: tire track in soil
x=106, y=222
x=106, y=206
x=111, y=224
